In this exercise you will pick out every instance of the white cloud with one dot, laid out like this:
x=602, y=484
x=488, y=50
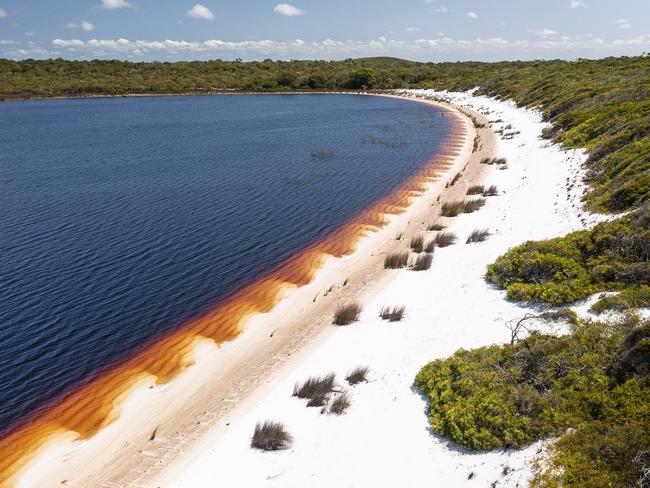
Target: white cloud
x=545, y=32
x=6, y=42
x=412, y=29
x=200, y=12
x=577, y=3
x=287, y=9
x=623, y=24
x=3, y=13
x=114, y=4
x=440, y=10
x=472, y=15
x=83, y=25
x=333, y=49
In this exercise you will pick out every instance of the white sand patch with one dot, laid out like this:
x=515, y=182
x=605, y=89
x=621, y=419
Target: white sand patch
x=384, y=439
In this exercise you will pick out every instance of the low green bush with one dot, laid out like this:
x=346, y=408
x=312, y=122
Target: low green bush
x=633, y=297
x=611, y=256
x=591, y=387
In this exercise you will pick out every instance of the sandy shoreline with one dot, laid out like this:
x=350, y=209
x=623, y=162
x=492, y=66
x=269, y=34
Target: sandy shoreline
x=383, y=439
x=133, y=449
x=9, y=98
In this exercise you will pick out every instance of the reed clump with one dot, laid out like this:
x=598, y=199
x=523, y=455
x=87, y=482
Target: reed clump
x=445, y=239
x=394, y=314
x=436, y=226
x=315, y=387
x=473, y=205
x=478, y=235
x=346, y=314
x=491, y=191
x=339, y=405
x=491, y=161
x=452, y=209
x=396, y=260
x=417, y=243
x=357, y=375
x=423, y=262
x=270, y=436
x=475, y=190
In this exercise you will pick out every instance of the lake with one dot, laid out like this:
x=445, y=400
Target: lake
x=125, y=217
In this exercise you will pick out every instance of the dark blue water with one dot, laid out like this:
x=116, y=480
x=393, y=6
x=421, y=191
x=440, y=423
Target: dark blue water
x=121, y=218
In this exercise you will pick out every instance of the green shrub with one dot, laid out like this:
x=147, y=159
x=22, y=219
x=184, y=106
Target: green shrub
x=612, y=255
x=590, y=387
x=510, y=395
x=633, y=297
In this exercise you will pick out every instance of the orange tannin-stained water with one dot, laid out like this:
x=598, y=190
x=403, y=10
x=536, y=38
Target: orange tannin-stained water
x=90, y=407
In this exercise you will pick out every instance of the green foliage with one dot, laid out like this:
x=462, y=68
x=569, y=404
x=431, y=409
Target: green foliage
x=362, y=79
x=593, y=381
x=633, y=297
x=612, y=255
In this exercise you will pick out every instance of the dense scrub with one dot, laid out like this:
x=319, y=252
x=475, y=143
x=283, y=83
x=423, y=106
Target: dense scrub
x=601, y=105
x=594, y=380
x=632, y=297
x=611, y=256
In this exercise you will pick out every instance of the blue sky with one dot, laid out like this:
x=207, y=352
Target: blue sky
x=425, y=30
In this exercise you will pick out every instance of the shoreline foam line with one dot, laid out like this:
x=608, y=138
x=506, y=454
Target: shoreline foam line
x=92, y=406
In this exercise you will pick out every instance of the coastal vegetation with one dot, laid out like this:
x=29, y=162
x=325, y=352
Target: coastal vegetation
x=357, y=375
x=444, y=239
x=346, y=314
x=478, y=235
x=392, y=314
x=436, y=226
x=423, y=262
x=592, y=383
x=311, y=388
x=491, y=191
x=270, y=436
x=417, y=243
x=339, y=405
x=611, y=256
x=396, y=260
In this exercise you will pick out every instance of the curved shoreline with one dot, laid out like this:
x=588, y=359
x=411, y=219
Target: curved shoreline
x=93, y=407
x=206, y=93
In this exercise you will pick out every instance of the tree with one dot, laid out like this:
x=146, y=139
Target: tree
x=363, y=78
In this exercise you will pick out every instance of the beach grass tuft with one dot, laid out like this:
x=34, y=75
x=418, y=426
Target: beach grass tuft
x=478, y=235
x=270, y=436
x=473, y=205
x=491, y=191
x=340, y=404
x=394, y=314
x=417, y=243
x=491, y=161
x=396, y=260
x=317, y=386
x=346, y=314
x=475, y=190
x=423, y=262
x=436, y=226
x=452, y=209
x=357, y=375
x=445, y=239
